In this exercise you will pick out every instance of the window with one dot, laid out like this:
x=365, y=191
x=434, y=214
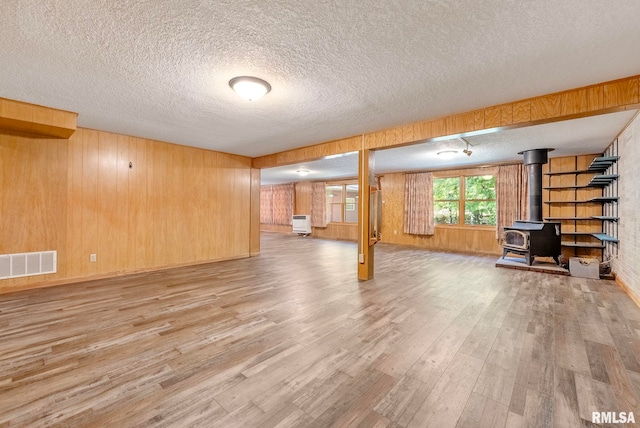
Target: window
x=480, y=200
x=446, y=200
x=342, y=203
x=475, y=196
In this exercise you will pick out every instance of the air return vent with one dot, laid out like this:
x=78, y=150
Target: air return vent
x=27, y=264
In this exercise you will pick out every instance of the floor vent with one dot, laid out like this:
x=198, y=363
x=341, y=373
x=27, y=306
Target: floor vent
x=27, y=264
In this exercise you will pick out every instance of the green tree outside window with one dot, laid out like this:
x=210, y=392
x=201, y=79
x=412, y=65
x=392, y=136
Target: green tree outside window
x=475, y=196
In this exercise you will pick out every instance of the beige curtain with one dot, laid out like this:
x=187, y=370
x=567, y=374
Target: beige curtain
x=282, y=203
x=318, y=204
x=266, y=205
x=276, y=204
x=418, y=204
x=511, y=196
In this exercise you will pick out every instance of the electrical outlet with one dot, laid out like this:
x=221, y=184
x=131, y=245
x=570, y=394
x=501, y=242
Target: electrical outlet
x=395, y=232
x=92, y=258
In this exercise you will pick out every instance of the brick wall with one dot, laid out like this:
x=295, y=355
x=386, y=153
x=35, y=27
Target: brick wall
x=627, y=264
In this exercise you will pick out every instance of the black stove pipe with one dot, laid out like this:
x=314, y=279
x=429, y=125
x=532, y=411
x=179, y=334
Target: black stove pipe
x=534, y=159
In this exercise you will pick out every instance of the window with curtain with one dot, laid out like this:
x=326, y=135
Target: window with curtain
x=418, y=203
x=446, y=200
x=465, y=200
x=342, y=203
x=511, y=196
x=480, y=200
x=276, y=204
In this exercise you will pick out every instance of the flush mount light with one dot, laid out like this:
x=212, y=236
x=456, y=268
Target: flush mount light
x=447, y=154
x=250, y=88
x=303, y=172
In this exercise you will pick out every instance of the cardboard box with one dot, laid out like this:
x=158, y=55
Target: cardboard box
x=584, y=267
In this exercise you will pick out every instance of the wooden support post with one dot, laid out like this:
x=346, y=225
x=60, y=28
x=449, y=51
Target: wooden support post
x=254, y=215
x=366, y=160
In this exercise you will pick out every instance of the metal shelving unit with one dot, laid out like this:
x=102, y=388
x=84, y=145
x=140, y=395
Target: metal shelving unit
x=603, y=177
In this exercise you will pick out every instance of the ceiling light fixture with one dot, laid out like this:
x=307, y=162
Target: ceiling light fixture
x=447, y=154
x=303, y=172
x=466, y=151
x=250, y=88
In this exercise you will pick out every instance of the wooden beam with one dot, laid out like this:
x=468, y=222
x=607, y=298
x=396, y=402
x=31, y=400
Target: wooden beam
x=254, y=217
x=30, y=119
x=601, y=98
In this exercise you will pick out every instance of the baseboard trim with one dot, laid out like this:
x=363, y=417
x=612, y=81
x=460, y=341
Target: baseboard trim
x=628, y=290
x=74, y=280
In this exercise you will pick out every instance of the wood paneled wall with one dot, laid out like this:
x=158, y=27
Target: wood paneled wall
x=176, y=205
x=279, y=228
x=590, y=100
x=302, y=198
x=33, y=196
x=341, y=231
x=475, y=239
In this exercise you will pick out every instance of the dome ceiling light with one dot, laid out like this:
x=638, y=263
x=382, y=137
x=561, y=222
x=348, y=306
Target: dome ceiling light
x=447, y=154
x=250, y=88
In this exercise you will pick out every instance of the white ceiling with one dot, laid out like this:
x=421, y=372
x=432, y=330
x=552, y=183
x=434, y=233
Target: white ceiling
x=160, y=69
x=587, y=135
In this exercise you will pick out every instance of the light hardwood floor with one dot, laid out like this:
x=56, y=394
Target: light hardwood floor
x=291, y=338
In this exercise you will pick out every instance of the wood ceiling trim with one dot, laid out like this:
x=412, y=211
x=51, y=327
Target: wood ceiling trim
x=31, y=119
x=591, y=100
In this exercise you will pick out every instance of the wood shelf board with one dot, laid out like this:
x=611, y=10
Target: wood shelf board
x=593, y=217
x=580, y=171
x=566, y=187
x=597, y=200
x=571, y=202
x=570, y=218
x=581, y=244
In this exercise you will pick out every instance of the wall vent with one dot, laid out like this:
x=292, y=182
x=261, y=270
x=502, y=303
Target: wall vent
x=27, y=264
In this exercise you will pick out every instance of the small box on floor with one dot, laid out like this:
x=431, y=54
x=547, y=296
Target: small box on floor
x=584, y=267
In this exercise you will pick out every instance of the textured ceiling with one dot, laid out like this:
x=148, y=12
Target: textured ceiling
x=160, y=69
x=329, y=168
x=587, y=135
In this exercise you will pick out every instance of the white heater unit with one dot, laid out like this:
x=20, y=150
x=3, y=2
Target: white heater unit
x=302, y=224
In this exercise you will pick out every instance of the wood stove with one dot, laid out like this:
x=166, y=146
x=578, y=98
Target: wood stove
x=534, y=238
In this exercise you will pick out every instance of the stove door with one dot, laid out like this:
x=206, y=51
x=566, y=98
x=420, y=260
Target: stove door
x=516, y=239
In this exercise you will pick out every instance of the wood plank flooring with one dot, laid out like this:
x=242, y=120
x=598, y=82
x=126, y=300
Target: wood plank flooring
x=292, y=339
